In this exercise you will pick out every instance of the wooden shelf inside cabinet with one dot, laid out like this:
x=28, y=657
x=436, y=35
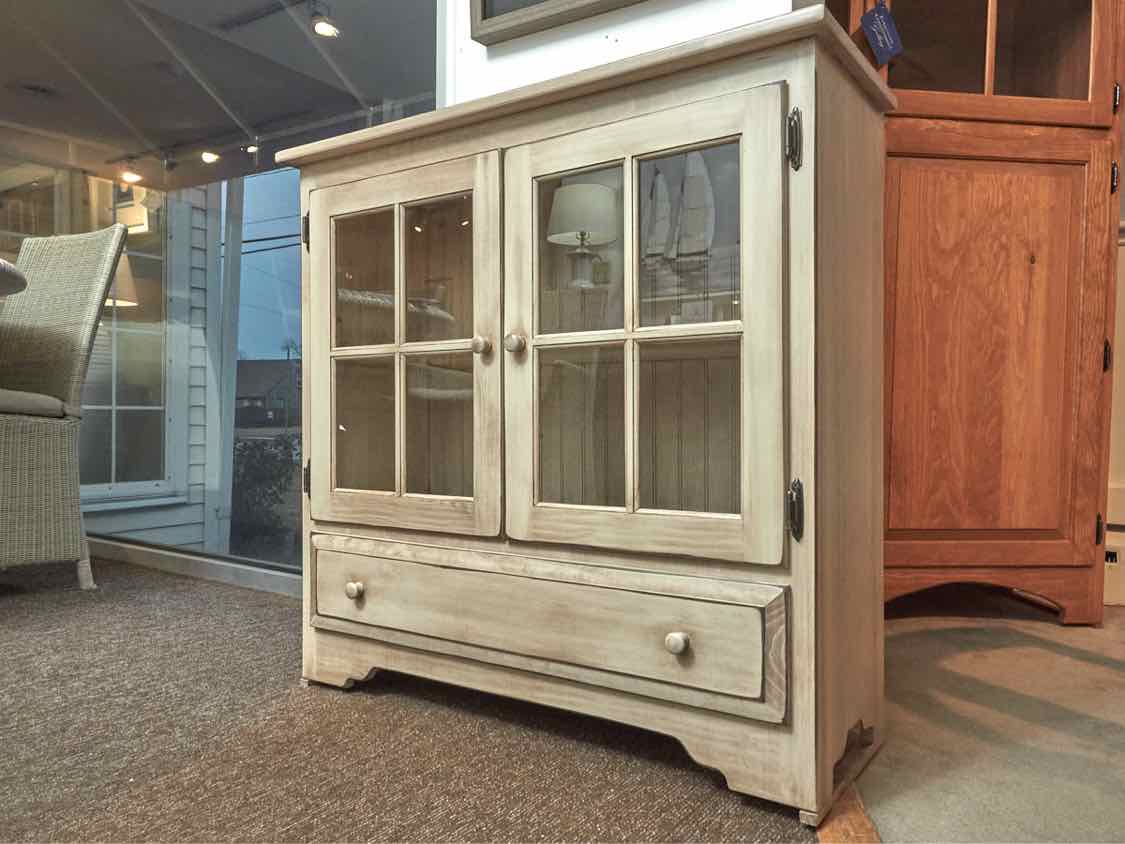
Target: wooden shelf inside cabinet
x=1020, y=61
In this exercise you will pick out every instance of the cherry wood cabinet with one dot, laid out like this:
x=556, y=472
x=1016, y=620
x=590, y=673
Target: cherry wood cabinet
x=1000, y=251
x=998, y=277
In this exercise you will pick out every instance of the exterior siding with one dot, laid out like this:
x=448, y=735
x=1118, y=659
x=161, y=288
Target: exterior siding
x=181, y=523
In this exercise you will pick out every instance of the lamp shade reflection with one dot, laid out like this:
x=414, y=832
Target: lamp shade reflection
x=583, y=215
x=123, y=294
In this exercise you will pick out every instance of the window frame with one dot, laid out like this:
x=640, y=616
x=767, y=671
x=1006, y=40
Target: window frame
x=544, y=15
x=172, y=488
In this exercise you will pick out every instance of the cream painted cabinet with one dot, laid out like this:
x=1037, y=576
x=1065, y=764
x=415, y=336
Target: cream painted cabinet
x=644, y=400
x=593, y=400
x=406, y=392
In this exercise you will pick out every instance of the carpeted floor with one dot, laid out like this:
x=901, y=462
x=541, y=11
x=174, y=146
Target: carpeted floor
x=162, y=708
x=1002, y=725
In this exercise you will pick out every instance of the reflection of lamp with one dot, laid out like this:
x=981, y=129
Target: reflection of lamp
x=123, y=294
x=582, y=216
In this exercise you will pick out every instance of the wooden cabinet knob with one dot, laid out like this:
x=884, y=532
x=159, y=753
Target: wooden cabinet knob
x=676, y=643
x=353, y=589
x=481, y=345
x=515, y=343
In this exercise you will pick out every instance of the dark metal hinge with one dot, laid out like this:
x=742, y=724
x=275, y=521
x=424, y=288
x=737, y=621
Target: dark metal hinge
x=1116, y=96
x=795, y=509
x=794, y=139
x=1099, y=531
x=305, y=230
x=1107, y=356
x=307, y=474
x=1114, y=178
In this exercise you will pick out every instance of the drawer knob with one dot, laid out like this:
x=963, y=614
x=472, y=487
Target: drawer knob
x=481, y=345
x=677, y=643
x=515, y=343
x=353, y=589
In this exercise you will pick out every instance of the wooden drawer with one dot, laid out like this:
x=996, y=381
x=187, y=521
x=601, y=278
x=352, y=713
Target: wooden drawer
x=606, y=627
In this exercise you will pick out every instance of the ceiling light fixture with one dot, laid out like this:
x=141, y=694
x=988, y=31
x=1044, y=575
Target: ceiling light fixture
x=252, y=149
x=322, y=23
x=209, y=157
x=130, y=178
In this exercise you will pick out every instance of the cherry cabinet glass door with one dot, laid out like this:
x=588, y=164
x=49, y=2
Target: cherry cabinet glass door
x=1031, y=61
x=643, y=332
x=405, y=300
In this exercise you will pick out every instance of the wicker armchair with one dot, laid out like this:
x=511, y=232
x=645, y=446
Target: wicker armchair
x=46, y=337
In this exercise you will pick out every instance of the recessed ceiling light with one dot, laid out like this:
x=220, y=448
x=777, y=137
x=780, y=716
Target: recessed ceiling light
x=418, y=229
x=130, y=178
x=209, y=157
x=253, y=148
x=322, y=22
x=464, y=223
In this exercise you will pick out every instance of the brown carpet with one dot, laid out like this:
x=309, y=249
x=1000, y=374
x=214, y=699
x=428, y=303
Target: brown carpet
x=162, y=708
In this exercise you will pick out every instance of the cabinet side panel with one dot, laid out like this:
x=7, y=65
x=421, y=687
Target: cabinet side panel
x=850, y=158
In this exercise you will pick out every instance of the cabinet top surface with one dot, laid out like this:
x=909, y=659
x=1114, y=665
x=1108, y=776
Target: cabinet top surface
x=811, y=22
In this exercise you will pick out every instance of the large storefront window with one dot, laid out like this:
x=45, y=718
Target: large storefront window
x=124, y=404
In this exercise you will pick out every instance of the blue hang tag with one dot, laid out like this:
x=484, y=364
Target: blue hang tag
x=881, y=32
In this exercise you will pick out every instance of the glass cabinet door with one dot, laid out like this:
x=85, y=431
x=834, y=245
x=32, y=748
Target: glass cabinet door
x=643, y=332
x=1048, y=61
x=405, y=300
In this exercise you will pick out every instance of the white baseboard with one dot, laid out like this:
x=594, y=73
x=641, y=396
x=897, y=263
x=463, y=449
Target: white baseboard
x=197, y=565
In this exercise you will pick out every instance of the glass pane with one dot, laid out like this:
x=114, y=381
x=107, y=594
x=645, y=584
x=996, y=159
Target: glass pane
x=1043, y=48
x=365, y=278
x=141, y=210
x=945, y=45
x=95, y=446
x=688, y=236
x=138, y=290
x=98, y=388
x=140, y=445
x=581, y=253
x=582, y=425
x=492, y=8
x=689, y=426
x=365, y=423
x=439, y=424
x=140, y=368
x=438, y=253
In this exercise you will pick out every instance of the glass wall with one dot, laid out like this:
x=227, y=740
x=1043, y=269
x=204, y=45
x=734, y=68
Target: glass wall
x=191, y=428
x=265, y=510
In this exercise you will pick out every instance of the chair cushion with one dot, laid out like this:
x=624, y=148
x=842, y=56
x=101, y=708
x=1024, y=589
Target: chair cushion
x=19, y=403
x=11, y=279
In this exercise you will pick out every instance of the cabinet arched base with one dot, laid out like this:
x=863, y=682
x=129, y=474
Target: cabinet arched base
x=1075, y=590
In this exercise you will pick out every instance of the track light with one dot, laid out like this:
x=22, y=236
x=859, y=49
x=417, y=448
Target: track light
x=322, y=23
x=252, y=149
x=209, y=157
x=130, y=178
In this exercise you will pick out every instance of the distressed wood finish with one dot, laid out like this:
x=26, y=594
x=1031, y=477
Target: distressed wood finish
x=754, y=533
x=735, y=661
x=591, y=622
x=333, y=501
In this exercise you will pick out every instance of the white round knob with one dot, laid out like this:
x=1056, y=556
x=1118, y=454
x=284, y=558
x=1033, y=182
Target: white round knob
x=676, y=643
x=515, y=343
x=481, y=345
x=353, y=589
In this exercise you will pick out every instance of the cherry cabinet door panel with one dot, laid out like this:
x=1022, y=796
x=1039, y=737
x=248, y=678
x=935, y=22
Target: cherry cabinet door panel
x=996, y=294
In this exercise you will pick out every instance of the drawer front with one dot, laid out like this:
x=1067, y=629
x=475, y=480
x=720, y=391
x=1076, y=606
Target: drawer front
x=730, y=643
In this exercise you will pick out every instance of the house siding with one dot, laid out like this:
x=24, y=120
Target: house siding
x=189, y=251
